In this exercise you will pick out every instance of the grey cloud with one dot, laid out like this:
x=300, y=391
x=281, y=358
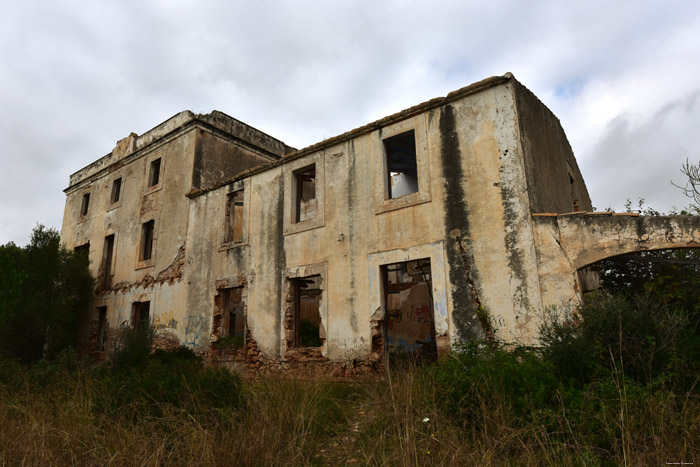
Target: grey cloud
x=75, y=77
x=639, y=161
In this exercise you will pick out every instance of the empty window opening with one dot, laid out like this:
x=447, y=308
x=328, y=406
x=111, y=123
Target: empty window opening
x=83, y=249
x=154, y=175
x=101, y=343
x=107, y=261
x=233, y=230
x=409, y=322
x=305, y=189
x=233, y=323
x=85, y=205
x=116, y=190
x=140, y=314
x=306, y=314
x=147, y=240
x=402, y=166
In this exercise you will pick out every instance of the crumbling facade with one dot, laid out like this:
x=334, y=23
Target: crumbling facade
x=406, y=235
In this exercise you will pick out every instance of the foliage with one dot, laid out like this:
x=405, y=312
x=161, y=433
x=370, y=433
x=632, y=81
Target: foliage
x=45, y=292
x=176, y=378
x=479, y=372
x=692, y=186
x=482, y=404
x=133, y=345
x=635, y=335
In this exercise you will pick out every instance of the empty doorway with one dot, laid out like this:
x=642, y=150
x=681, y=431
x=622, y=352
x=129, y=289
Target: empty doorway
x=409, y=324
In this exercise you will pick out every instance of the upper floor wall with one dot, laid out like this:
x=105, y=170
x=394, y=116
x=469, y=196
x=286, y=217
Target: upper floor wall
x=129, y=194
x=446, y=176
x=554, y=181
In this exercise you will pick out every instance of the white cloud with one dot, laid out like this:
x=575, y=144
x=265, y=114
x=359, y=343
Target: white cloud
x=77, y=76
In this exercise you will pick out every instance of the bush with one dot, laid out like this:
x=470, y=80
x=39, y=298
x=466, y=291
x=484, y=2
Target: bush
x=133, y=345
x=177, y=378
x=637, y=336
x=478, y=374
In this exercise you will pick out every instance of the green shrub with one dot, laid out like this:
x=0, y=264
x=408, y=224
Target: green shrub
x=637, y=336
x=174, y=378
x=133, y=345
x=478, y=374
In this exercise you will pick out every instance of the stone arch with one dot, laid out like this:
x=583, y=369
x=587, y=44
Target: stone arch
x=591, y=237
x=569, y=243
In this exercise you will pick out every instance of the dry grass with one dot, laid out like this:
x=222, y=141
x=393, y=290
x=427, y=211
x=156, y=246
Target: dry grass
x=397, y=419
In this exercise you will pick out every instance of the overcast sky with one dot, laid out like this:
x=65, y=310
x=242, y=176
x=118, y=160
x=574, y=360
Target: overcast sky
x=77, y=76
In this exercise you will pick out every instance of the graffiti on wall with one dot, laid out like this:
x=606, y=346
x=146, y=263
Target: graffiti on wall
x=165, y=321
x=195, y=326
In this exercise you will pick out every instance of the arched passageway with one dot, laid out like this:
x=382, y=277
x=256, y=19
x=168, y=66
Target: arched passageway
x=567, y=244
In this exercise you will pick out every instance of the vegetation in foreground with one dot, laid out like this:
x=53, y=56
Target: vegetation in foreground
x=614, y=383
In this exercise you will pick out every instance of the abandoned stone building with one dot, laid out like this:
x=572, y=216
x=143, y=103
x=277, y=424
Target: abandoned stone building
x=404, y=235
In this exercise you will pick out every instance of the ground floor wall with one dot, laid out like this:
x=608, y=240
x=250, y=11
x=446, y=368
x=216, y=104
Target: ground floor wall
x=230, y=317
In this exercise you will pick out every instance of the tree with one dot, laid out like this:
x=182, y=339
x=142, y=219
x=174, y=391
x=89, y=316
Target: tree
x=45, y=291
x=692, y=186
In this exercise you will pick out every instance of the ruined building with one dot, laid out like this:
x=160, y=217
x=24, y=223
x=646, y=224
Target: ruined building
x=405, y=235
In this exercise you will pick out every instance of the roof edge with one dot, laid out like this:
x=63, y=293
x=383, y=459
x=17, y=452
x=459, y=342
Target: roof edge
x=133, y=144
x=368, y=128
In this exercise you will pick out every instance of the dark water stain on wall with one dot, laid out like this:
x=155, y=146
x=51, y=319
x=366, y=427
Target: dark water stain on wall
x=463, y=276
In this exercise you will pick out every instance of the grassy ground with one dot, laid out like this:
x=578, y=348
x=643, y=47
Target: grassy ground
x=615, y=382
x=58, y=416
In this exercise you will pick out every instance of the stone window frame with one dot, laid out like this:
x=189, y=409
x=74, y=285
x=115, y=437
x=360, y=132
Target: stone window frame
x=91, y=201
x=107, y=233
x=380, y=175
x=110, y=187
x=101, y=328
x=290, y=195
x=82, y=243
x=147, y=172
x=433, y=251
x=110, y=331
x=134, y=321
x=147, y=263
x=232, y=188
x=288, y=303
x=217, y=317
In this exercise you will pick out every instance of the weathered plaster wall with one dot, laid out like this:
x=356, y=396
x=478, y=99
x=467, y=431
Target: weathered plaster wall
x=218, y=157
x=162, y=280
x=242, y=132
x=158, y=280
x=470, y=216
x=341, y=238
x=548, y=157
x=488, y=235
